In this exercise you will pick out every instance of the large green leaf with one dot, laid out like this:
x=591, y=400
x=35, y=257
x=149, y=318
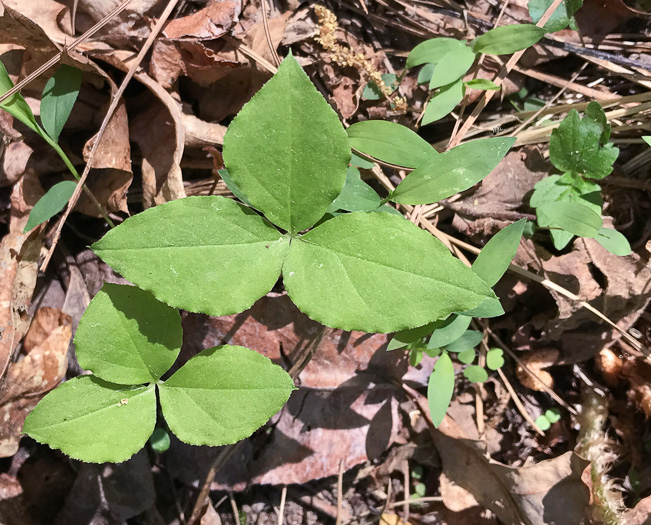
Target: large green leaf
x=451, y=172
x=50, y=204
x=94, y=421
x=223, y=395
x=489, y=308
x=376, y=272
x=16, y=105
x=570, y=216
x=440, y=388
x=443, y=102
x=577, y=145
x=452, y=66
x=128, y=337
x=59, y=98
x=613, y=241
x=202, y=254
x=287, y=150
x=390, y=142
x=496, y=256
x=505, y=40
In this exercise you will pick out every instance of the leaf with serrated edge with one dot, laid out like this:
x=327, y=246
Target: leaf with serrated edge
x=376, y=272
x=440, y=388
x=287, y=150
x=223, y=395
x=453, y=171
x=128, y=337
x=94, y=421
x=59, y=98
x=390, y=142
x=202, y=254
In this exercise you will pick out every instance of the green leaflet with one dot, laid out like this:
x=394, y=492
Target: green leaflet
x=466, y=356
x=212, y=243
x=469, y=339
x=451, y=172
x=15, y=105
x=440, y=388
x=94, y=421
x=495, y=258
x=128, y=337
x=390, y=142
x=495, y=358
x=432, y=51
x=613, y=241
x=572, y=217
x=223, y=395
x=407, y=337
x=372, y=90
x=287, y=151
x=452, y=66
x=505, y=40
x=50, y=204
x=561, y=17
x=378, y=273
x=448, y=330
x=483, y=84
x=475, y=374
x=59, y=98
x=443, y=102
x=489, y=308
x=356, y=194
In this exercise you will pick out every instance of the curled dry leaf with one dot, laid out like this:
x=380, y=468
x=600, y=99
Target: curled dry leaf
x=537, y=361
x=610, y=366
x=638, y=373
x=183, y=49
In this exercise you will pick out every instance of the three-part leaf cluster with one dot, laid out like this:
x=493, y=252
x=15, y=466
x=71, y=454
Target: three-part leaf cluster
x=129, y=340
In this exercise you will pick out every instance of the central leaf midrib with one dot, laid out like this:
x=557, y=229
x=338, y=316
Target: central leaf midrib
x=181, y=246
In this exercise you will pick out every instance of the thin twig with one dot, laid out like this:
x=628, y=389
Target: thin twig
x=267, y=32
x=236, y=513
x=340, y=492
x=98, y=139
x=518, y=403
x=424, y=499
x=281, y=510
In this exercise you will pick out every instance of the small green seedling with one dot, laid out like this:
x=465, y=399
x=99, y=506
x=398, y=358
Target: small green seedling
x=287, y=156
x=571, y=204
x=546, y=420
x=58, y=99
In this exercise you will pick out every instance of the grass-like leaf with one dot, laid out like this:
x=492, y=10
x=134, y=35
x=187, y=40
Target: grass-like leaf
x=440, y=388
x=443, y=102
x=572, y=217
x=59, y=98
x=495, y=258
x=50, y=204
x=505, y=40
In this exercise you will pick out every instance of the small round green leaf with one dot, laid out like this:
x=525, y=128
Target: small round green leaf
x=390, y=142
x=128, y=337
x=376, y=272
x=223, y=395
x=475, y=374
x=467, y=356
x=440, y=388
x=94, y=421
x=287, y=151
x=505, y=40
x=495, y=358
x=543, y=423
x=202, y=254
x=553, y=415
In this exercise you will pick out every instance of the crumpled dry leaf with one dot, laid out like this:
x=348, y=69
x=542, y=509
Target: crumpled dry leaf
x=638, y=373
x=158, y=130
x=345, y=409
x=182, y=50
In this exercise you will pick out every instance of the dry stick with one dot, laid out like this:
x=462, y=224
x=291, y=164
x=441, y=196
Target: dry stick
x=340, y=492
x=518, y=403
x=251, y=54
x=424, y=499
x=499, y=79
x=98, y=139
x=281, y=510
x=236, y=513
x=306, y=354
x=267, y=32
x=405, y=474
